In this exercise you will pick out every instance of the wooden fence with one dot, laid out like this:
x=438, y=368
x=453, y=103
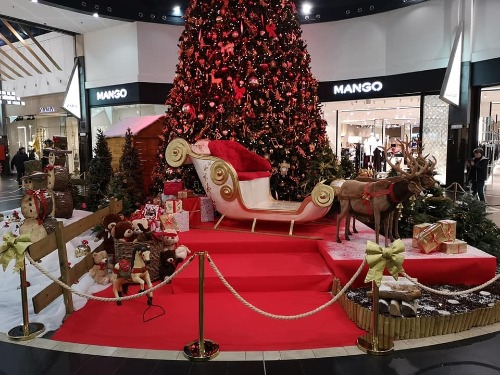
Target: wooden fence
x=57, y=241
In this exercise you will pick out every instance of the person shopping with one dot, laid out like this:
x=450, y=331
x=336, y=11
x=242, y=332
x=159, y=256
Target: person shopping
x=478, y=173
x=18, y=162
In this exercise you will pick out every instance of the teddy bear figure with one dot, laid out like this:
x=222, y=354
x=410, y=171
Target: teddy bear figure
x=172, y=253
x=99, y=271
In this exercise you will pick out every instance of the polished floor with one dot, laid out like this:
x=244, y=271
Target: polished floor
x=470, y=352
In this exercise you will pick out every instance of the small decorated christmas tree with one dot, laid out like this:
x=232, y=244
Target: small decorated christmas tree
x=99, y=173
x=128, y=183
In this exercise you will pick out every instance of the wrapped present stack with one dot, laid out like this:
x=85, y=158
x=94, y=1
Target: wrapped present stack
x=440, y=236
x=172, y=187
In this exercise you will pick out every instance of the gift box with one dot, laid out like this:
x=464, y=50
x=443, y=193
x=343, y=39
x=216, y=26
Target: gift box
x=207, y=209
x=168, y=223
x=182, y=220
x=172, y=187
x=450, y=229
x=453, y=247
x=173, y=206
x=417, y=229
x=186, y=193
x=430, y=239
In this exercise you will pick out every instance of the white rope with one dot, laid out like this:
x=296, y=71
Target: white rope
x=284, y=317
x=445, y=293
x=107, y=299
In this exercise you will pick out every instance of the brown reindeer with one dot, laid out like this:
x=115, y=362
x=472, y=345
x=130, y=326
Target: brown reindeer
x=377, y=199
x=426, y=181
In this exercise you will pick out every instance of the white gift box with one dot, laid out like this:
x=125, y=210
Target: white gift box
x=182, y=220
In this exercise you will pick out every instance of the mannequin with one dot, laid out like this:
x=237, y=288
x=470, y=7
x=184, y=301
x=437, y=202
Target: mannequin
x=369, y=146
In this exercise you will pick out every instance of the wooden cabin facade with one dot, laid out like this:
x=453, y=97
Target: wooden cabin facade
x=146, y=131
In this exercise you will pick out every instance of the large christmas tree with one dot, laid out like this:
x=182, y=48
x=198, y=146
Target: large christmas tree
x=244, y=74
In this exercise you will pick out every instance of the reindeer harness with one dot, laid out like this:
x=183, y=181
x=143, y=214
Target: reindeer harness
x=367, y=196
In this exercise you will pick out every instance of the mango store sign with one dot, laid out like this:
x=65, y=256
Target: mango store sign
x=358, y=87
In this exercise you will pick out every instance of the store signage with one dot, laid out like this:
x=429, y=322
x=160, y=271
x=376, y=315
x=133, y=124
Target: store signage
x=47, y=109
x=72, y=102
x=111, y=94
x=353, y=88
x=9, y=97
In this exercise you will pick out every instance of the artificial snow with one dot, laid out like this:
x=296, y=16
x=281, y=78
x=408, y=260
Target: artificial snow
x=10, y=292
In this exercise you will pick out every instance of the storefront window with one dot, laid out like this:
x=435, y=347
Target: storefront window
x=363, y=129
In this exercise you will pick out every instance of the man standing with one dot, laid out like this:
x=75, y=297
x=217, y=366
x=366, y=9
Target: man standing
x=18, y=162
x=478, y=173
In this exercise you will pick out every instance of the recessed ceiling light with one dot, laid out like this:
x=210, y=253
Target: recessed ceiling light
x=306, y=8
x=96, y=15
x=177, y=11
x=34, y=1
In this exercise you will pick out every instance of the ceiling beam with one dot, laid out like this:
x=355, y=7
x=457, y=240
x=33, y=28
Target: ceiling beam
x=23, y=42
x=11, y=69
x=14, y=62
x=27, y=32
x=16, y=50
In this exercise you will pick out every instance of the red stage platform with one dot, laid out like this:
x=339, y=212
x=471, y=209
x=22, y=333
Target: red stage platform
x=275, y=272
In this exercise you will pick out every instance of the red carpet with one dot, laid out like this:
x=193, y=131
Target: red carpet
x=277, y=273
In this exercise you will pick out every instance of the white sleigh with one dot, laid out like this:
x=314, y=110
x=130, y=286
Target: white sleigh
x=240, y=189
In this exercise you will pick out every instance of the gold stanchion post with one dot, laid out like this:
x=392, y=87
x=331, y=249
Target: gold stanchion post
x=201, y=349
x=27, y=330
x=375, y=343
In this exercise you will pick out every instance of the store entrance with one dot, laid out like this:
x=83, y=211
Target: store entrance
x=364, y=129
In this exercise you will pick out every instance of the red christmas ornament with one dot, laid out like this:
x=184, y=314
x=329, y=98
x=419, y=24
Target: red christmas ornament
x=235, y=34
x=253, y=82
x=201, y=116
x=189, y=109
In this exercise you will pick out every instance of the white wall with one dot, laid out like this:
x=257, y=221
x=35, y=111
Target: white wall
x=111, y=56
x=132, y=52
x=486, y=30
x=410, y=39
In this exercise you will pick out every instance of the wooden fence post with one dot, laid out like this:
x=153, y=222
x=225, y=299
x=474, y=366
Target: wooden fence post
x=63, y=266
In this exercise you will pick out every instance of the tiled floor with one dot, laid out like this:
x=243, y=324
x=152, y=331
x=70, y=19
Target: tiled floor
x=471, y=352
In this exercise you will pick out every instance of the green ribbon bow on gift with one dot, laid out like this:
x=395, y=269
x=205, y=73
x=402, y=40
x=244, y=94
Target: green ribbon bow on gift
x=378, y=258
x=13, y=248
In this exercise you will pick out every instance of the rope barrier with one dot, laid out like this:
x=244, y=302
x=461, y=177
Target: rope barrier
x=108, y=299
x=454, y=185
x=445, y=293
x=284, y=317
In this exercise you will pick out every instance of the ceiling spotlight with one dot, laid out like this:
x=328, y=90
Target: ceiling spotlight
x=96, y=7
x=372, y=7
x=306, y=8
x=360, y=10
x=164, y=18
x=84, y=4
x=96, y=15
x=141, y=15
x=348, y=12
x=177, y=11
x=109, y=9
x=152, y=16
x=318, y=16
x=34, y=1
x=306, y=18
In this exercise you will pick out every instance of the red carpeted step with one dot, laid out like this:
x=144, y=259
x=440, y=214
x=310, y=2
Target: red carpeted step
x=219, y=241
x=259, y=273
x=227, y=321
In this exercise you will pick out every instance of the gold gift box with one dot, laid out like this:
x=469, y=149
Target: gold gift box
x=450, y=229
x=417, y=229
x=185, y=194
x=453, y=247
x=430, y=239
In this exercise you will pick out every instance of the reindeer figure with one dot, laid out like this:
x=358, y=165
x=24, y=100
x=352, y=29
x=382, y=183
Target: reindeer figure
x=426, y=181
x=377, y=198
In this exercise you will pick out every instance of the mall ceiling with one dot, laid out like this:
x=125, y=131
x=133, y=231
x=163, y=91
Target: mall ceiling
x=60, y=15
